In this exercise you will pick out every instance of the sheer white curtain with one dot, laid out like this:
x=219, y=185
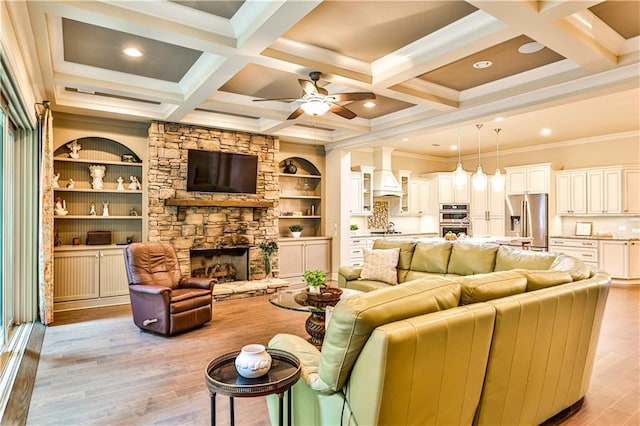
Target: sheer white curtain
x=45, y=281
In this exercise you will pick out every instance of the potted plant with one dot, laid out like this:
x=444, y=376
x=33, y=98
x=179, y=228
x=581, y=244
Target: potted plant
x=353, y=228
x=268, y=250
x=315, y=279
x=296, y=230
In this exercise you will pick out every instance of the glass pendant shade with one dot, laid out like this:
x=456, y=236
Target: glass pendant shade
x=315, y=107
x=497, y=181
x=459, y=177
x=479, y=179
x=459, y=174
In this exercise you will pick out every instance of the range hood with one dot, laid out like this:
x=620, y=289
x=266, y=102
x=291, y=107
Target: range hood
x=385, y=183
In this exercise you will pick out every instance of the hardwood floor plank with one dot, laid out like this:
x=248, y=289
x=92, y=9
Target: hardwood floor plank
x=97, y=368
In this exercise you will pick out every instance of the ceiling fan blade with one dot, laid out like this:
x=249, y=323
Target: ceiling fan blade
x=308, y=87
x=276, y=99
x=342, y=111
x=295, y=114
x=356, y=96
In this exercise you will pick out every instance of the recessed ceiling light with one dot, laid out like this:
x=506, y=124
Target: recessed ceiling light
x=405, y=139
x=369, y=104
x=133, y=52
x=453, y=147
x=482, y=64
x=498, y=119
x=531, y=47
x=545, y=132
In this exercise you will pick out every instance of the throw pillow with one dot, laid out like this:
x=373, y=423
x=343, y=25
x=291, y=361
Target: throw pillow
x=380, y=265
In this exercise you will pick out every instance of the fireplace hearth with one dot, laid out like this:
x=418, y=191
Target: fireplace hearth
x=225, y=264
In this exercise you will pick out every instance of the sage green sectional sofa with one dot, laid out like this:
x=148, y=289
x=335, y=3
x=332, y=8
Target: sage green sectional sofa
x=471, y=334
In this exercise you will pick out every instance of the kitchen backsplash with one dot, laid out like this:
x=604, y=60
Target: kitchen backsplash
x=618, y=226
x=380, y=217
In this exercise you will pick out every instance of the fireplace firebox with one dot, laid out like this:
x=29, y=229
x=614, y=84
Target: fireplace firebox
x=225, y=264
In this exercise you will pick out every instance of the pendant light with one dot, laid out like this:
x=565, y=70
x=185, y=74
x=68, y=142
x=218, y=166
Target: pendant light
x=497, y=180
x=479, y=177
x=460, y=174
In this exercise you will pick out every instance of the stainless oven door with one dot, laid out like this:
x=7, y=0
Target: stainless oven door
x=456, y=229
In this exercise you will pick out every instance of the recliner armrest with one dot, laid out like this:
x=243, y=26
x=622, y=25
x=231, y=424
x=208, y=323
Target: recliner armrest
x=198, y=282
x=149, y=289
x=349, y=273
x=309, y=357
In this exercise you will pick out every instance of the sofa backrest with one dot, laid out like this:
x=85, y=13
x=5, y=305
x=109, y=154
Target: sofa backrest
x=406, y=254
x=429, y=369
x=542, y=352
x=431, y=257
x=472, y=258
x=508, y=258
x=355, y=317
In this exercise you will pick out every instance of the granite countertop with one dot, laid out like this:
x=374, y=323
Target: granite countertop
x=396, y=235
x=597, y=237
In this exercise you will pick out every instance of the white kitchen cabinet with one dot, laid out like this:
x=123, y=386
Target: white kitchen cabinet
x=89, y=277
x=447, y=192
x=534, y=179
x=585, y=249
x=419, y=197
x=358, y=244
x=297, y=255
x=620, y=258
x=487, y=212
x=631, y=186
x=604, y=191
x=571, y=192
x=362, y=190
x=404, y=179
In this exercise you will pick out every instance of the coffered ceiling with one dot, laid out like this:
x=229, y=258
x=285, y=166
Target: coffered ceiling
x=207, y=62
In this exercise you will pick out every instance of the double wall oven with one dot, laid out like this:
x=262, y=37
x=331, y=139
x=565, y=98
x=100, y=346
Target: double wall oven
x=455, y=218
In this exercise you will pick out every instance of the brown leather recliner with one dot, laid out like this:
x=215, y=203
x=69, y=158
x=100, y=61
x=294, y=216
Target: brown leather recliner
x=162, y=300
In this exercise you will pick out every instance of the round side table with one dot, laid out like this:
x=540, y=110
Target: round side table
x=222, y=378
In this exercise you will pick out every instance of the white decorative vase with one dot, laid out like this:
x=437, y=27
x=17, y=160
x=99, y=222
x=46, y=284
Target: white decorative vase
x=253, y=361
x=296, y=234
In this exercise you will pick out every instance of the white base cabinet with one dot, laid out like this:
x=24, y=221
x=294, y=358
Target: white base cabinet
x=583, y=249
x=87, y=277
x=297, y=255
x=621, y=259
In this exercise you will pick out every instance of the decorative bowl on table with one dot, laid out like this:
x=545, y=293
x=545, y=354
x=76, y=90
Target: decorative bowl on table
x=327, y=296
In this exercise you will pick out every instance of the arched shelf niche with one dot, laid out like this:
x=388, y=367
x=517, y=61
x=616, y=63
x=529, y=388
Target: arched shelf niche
x=300, y=197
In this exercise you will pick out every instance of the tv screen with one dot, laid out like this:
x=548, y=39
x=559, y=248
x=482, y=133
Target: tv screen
x=216, y=171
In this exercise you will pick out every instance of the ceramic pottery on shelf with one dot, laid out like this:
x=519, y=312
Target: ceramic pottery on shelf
x=253, y=361
x=291, y=168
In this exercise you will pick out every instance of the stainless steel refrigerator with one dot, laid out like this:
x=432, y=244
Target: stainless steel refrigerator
x=527, y=215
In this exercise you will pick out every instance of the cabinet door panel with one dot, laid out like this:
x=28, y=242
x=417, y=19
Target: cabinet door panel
x=113, y=275
x=317, y=256
x=537, y=181
x=632, y=191
x=76, y=275
x=613, y=191
x=291, y=259
x=614, y=257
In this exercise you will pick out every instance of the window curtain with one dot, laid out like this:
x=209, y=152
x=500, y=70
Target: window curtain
x=45, y=243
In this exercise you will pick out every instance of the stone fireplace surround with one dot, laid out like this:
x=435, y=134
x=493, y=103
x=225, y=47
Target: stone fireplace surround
x=210, y=227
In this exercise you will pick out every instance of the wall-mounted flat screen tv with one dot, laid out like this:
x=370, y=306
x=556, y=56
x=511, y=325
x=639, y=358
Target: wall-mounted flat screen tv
x=216, y=171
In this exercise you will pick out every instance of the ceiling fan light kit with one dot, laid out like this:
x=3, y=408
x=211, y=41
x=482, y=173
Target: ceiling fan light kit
x=317, y=100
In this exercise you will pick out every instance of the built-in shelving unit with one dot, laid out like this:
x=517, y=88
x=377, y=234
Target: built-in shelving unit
x=300, y=197
x=94, y=275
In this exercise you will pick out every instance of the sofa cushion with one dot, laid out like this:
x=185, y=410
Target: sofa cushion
x=355, y=317
x=431, y=257
x=509, y=258
x=414, y=275
x=483, y=287
x=406, y=254
x=470, y=259
x=545, y=278
x=381, y=265
x=366, y=285
x=577, y=269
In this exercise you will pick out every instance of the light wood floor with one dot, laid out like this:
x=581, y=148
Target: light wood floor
x=96, y=367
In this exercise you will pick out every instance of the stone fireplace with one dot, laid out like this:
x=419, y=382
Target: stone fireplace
x=193, y=221
x=226, y=264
